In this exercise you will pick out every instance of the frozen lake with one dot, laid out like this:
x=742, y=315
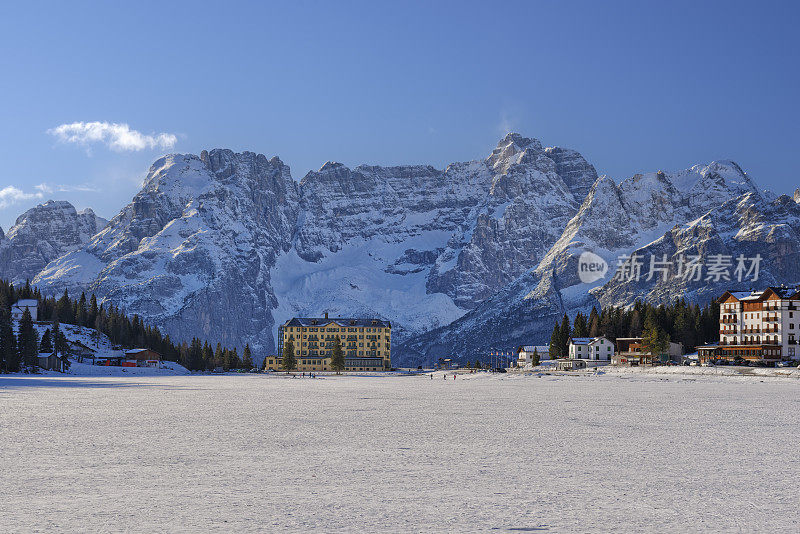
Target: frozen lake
x=510, y=453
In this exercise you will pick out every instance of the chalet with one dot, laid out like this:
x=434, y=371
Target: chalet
x=18, y=309
x=630, y=351
x=141, y=358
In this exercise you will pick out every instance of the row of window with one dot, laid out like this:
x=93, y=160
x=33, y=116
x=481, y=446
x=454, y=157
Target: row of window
x=333, y=330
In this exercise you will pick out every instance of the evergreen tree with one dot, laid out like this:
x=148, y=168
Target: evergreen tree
x=555, y=343
x=337, y=356
x=594, y=323
x=195, y=356
x=64, y=310
x=564, y=335
x=46, y=344
x=9, y=357
x=655, y=340
x=93, y=310
x=208, y=356
x=635, y=328
x=60, y=343
x=580, y=327
x=82, y=316
x=28, y=341
x=535, y=358
x=289, y=360
x=247, y=358
x=219, y=356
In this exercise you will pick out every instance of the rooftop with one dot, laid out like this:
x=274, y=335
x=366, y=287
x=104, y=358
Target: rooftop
x=339, y=321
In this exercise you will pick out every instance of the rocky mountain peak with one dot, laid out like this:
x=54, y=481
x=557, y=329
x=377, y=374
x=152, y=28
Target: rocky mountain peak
x=797, y=195
x=510, y=150
x=44, y=233
x=330, y=165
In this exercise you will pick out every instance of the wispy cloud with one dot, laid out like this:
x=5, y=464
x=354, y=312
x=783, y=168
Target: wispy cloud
x=11, y=195
x=48, y=188
x=507, y=124
x=117, y=137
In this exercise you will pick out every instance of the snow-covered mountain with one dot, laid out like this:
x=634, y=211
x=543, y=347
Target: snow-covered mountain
x=484, y=253
x=706, y=210
x=42, y=234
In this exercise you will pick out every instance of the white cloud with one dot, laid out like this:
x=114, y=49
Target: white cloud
x=507, y=124
x=117, y=137
x=12, y=195
x=48, y=188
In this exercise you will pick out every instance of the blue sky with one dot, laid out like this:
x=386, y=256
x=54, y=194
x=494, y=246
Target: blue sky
x=634, y=86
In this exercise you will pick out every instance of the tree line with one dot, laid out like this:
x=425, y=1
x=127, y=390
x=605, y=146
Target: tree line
x=22, y=349
x=678, y=322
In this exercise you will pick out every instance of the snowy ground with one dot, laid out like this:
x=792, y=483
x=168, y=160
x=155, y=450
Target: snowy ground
x=611, y=452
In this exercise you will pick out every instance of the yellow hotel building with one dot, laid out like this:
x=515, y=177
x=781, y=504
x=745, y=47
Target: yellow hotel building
x=366, y=343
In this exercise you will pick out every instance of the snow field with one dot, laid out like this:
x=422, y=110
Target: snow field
x=397, y=454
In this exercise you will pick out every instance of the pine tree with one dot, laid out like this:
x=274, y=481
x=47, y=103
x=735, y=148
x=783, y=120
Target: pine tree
x=219, y=356
x=64, y=309
x=535, y=358
x=208, y=356
x=93, y=310
x=28, y=341
x=337, y=356
x=9, y=357
x=655, y=340
x=564, y=335
x=635, y=328
x=247, y=358
x=289, y=360
x=594, y=323
x=580, y=327
x=60, y=343
x=82, y=317
x=195, y=355
x=46, y=344
x=555, y=343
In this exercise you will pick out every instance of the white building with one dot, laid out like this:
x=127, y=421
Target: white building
x=18, y=309
x=591, y=348
x=525, y=354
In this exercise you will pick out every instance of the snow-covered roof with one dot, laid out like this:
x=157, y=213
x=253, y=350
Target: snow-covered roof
x=340, y=321
x=535, y=348
x=27, y=303
x=783, y=292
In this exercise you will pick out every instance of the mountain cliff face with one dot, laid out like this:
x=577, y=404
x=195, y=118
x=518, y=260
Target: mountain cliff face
x=481, y=254
x=646, y=215
x=42, y=234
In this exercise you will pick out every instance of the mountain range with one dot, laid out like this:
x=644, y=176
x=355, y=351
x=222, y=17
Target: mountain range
x=480, y=255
